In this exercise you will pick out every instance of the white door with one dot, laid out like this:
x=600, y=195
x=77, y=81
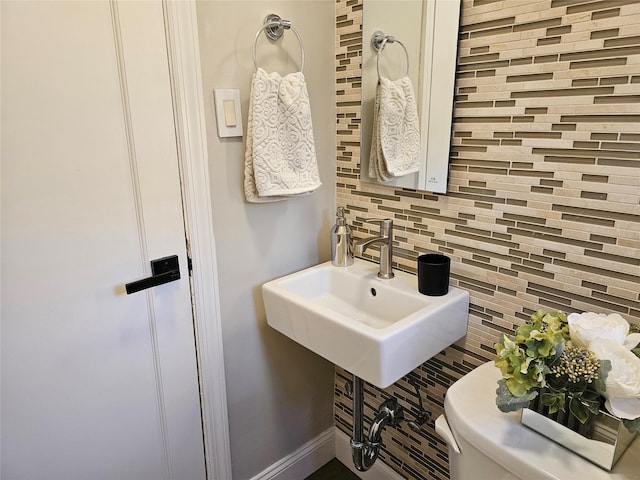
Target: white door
x=96, y=384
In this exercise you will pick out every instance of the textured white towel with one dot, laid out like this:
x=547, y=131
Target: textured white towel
x=395, y=143
x=280, y=158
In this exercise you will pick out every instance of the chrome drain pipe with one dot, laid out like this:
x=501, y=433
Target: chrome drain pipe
x=365, y=451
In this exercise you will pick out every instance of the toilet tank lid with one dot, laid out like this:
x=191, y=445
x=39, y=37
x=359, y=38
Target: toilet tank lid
x=472, y=414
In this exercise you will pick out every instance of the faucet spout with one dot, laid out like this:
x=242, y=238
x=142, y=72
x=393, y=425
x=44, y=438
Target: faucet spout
x=361, y=245
x=385, y=241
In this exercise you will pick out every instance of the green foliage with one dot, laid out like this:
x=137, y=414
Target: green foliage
x=507, y=402
x=523, y=359
x=534, y=362
x=632, y=425
x=591, y=400
x=555, y=401
x=584, y=404
x=578, y=410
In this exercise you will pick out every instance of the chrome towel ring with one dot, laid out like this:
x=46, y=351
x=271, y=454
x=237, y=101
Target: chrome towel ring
x=273, y=28
x=379, y=40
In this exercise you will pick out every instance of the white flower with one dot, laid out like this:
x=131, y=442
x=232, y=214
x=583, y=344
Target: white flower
x=623, y=381
x=586, y=327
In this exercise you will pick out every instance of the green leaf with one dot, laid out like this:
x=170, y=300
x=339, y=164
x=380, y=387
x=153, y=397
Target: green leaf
x=593, y=407
x=590, y=400
x=555, y=401
x=591, y=396
x=507, y=402
x=557, y=383
x=559, y=352
x=636, y=351
x=632, y=425
x=578, y=410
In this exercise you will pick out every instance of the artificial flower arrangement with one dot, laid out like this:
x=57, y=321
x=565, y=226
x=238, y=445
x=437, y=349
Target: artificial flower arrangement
x=585, y=361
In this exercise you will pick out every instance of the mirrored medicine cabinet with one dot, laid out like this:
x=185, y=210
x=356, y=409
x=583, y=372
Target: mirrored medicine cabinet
x=428, y=30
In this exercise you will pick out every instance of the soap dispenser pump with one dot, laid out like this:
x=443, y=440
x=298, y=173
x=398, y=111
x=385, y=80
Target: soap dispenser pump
x=341, y=241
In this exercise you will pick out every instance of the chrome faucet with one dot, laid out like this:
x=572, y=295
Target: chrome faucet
x=385, y=241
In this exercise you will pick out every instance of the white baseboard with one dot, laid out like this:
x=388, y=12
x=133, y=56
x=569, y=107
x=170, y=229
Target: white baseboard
x=304, y=461
x=379, y=470
x=330, y=444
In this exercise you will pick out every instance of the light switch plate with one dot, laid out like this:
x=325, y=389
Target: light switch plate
x=228, y=113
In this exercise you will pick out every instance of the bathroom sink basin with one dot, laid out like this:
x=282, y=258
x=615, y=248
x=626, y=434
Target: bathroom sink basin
x=378, y=330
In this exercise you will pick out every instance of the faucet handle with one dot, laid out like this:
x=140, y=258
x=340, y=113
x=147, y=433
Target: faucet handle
x=386, y=224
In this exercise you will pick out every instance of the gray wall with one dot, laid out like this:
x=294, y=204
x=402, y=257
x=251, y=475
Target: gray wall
x=279, y=394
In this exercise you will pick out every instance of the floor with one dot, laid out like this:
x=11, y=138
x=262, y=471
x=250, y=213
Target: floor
x=334, y=470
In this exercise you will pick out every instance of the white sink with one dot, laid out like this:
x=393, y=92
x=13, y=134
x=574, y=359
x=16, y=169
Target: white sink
x=378, y=330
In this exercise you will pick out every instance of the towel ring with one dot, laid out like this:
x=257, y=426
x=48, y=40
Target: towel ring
x=273, y=28
x=379, y=41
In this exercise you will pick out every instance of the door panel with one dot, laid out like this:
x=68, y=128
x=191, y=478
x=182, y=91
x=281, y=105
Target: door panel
x=95, y=383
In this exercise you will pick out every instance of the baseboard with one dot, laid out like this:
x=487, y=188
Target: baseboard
x=332, y=443
x=379, y=470
x=304, y=461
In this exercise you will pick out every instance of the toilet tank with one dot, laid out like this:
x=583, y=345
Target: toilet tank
x=473, y=465
x=487, y=444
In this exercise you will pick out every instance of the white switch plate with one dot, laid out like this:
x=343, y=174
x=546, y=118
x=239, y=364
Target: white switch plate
x=228, y=113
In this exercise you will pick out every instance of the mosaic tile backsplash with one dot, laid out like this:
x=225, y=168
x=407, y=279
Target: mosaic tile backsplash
x=543, y=202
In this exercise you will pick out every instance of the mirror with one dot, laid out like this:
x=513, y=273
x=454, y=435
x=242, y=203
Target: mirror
x=428, y=31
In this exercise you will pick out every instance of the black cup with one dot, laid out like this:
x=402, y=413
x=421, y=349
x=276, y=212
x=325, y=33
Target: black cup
x=433, y=274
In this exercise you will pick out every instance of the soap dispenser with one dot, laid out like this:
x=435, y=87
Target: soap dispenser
x=341, y=241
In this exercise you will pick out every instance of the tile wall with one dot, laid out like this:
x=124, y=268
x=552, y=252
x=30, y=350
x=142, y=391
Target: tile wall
x=543, y=207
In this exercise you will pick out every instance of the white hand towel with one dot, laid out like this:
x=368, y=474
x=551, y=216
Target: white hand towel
x=395, y=143
x=280, y=157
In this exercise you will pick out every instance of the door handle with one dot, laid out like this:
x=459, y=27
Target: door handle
x=164, y=270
